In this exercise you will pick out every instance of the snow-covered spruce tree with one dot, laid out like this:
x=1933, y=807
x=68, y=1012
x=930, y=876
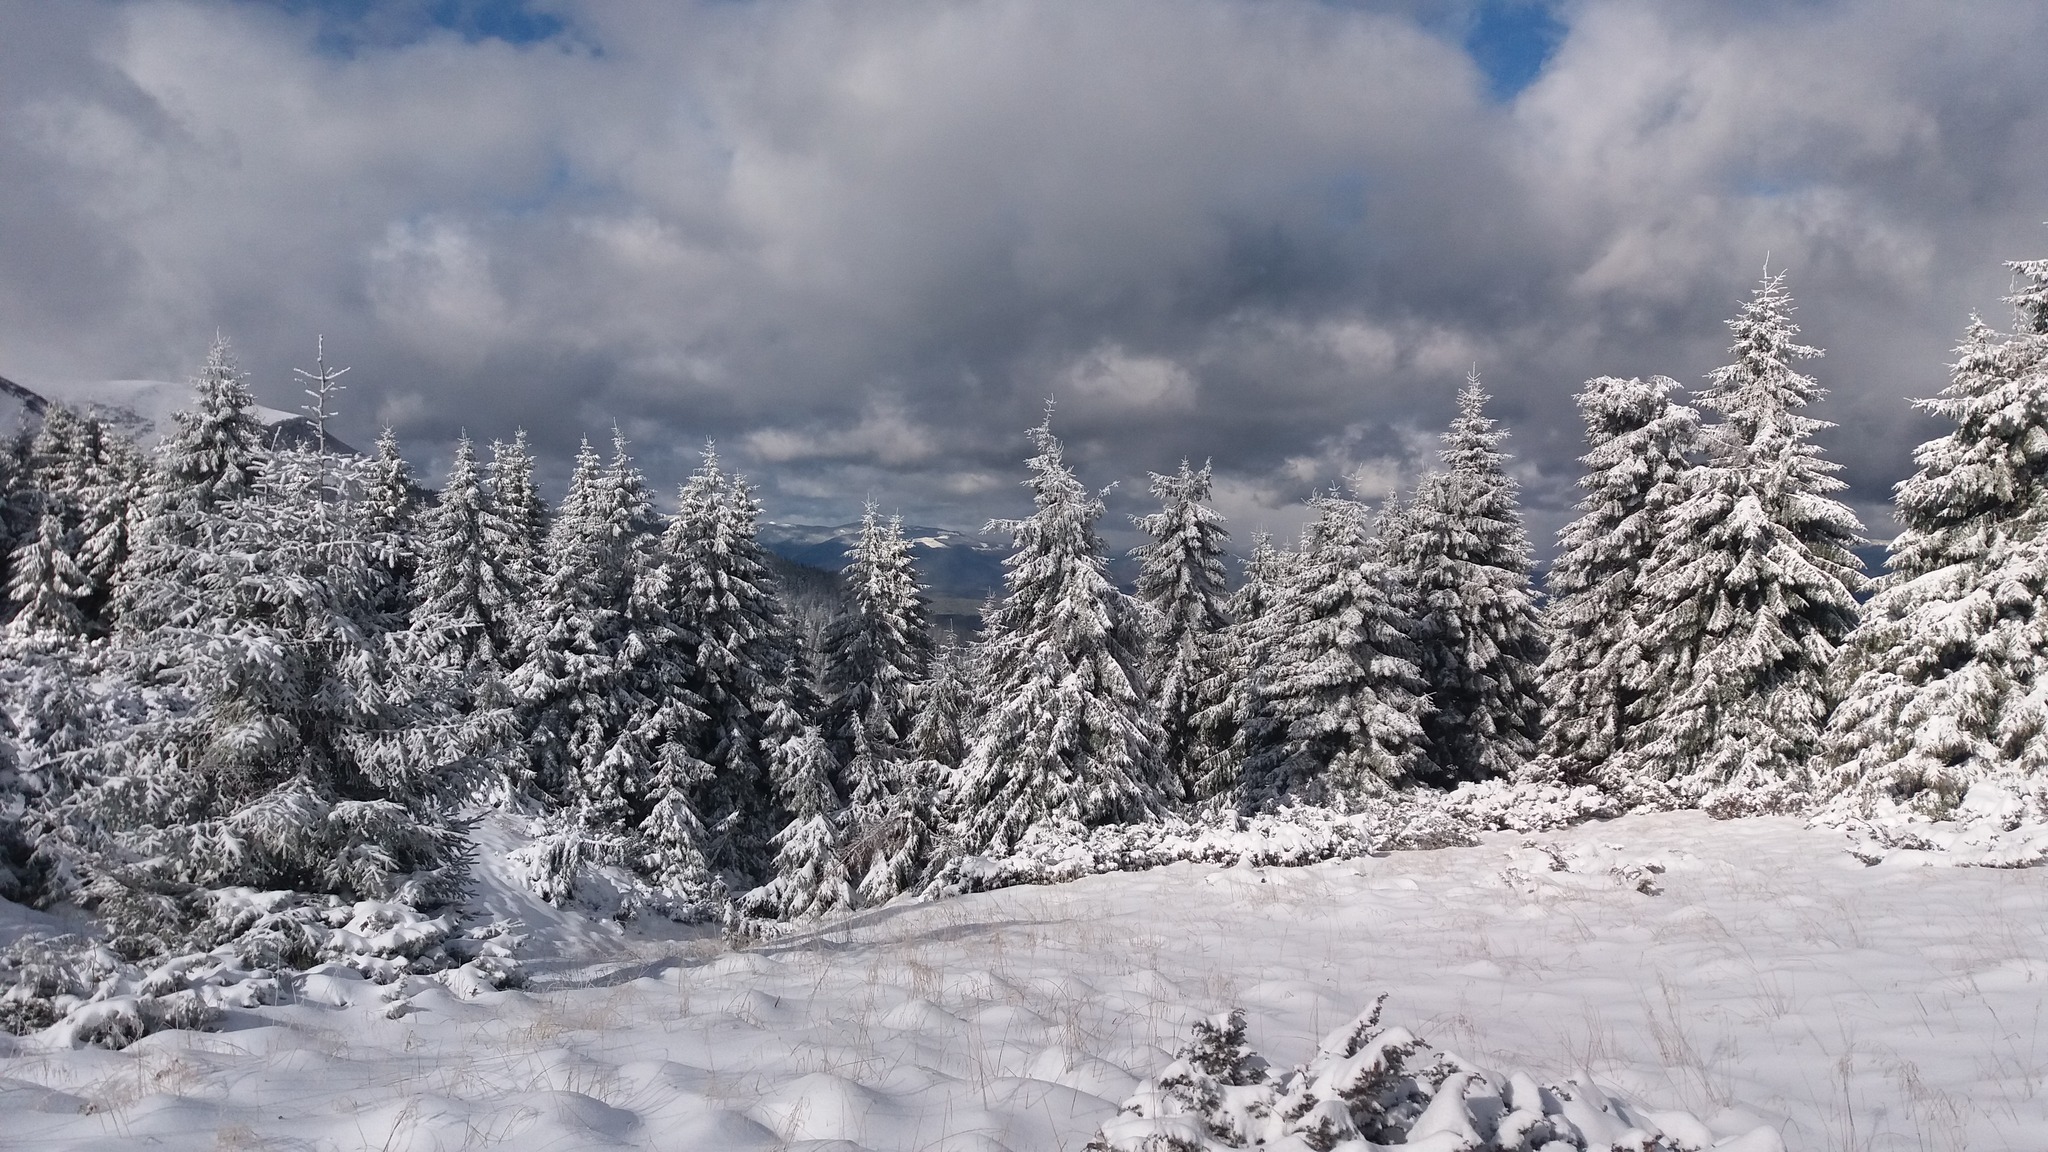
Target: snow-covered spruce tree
x=810, y=881
x=1749, y=590
x=567, y=686
x=214, y=454
x=45, y=582
x=612, y=722
x=642, y=791
x=1639, y=445
x=307, y=758
x=520, y=522
x=1244, y=649
x=467, y=600
x=390, y=508
x=945, y=708
x=1944, y=679
x=1479, y=636
x=894, y=818
x=745, y=665
x=90, y=479
x=63, y=702
x=1066, y=734
x=110, y=489
x=1338, y=712
x=907, y=843
x=464, y=624
x=19, y=500
x=866, y=772
x=1181, y=580
x=878, y=650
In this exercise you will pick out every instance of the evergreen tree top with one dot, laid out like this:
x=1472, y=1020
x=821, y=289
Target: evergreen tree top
x=714, y=528
x=215, y=449
x=1757, y=394
x=1052, y=483
x=1995, y=461
x=1611, y=406
x=1054, y=548
x=804, y=780
x=324, y=388
x=1472, y=443
x=391, y=483
x=2029, y=297
x=1181, y=569
x=462, y=474
x=1468, y=512
x=516, y=498
x=626, y=511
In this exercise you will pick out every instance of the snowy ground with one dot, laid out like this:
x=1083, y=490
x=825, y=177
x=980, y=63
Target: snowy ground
x=1774, y=979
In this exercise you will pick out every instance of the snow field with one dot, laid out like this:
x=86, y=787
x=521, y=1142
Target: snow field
x=1775, y=980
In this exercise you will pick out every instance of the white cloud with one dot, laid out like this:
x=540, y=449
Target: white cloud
x=885, y=435
x=1111, y=378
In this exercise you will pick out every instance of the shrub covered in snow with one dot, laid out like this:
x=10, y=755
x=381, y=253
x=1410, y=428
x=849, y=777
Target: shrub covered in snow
x=1499, y=806
x=1995, y=825
x=1370, y=1086
x=92, y=995
x=1297, y=834
x=1053, y=853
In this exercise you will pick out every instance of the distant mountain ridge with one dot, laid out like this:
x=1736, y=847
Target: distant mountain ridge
x=959, y=569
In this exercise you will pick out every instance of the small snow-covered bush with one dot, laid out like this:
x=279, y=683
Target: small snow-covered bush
x=570, y=866
x=92, y=996
x=1995, y=825
x=1415, y=819
x=1369, y=1086
x=1498, y=806
x=1053, y=853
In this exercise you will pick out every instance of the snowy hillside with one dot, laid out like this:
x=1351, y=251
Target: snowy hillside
x=142, y=409
x=1763, y=977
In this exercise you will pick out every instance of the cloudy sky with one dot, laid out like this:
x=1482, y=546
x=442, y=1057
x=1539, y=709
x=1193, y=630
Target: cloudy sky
x=859, y=244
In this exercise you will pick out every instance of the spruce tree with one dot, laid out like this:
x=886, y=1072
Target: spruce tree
x=613, y=723
x=565, y=687
x=214, y=452
x=308, y=758
x=213, y=455
x=1243, y=652
x=1336, y=715
x=745, y=664
x=1638, y=448
x=518, y=528
x=108, y=494
x=468, y=601
x=1181, y=580
x=903, y=842
x=1066, y=734
x=463, y=630
x=1480, y=637
x=878, y=650
x=391, y=520
x=810, y=881
x=1943, y=679
x=45, y=581
x=1750, y=590
x=60, y=458
x=945, y=708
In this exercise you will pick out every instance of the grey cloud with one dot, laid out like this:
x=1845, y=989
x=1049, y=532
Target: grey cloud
x=860, y=245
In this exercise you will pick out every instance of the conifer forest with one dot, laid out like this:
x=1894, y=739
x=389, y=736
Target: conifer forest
x=270, y=707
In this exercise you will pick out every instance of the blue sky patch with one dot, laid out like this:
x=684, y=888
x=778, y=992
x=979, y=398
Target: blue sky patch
x=1511, y=41
x=348, y=26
